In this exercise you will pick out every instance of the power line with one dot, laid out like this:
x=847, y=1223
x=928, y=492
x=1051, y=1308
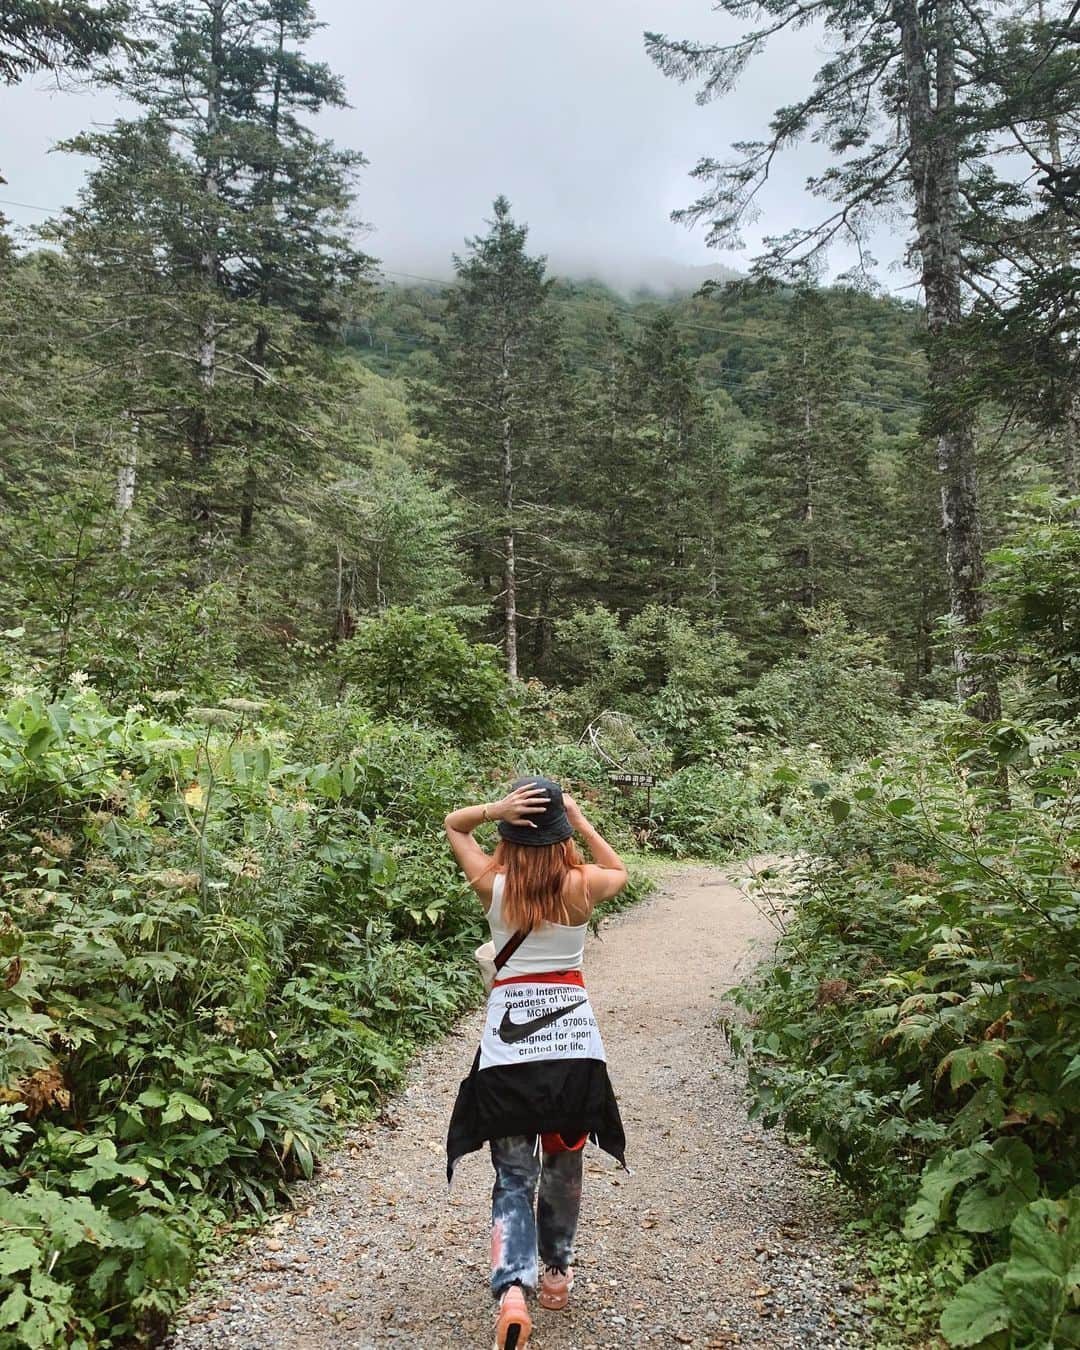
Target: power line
x=29, y=206
x=731, y=381
x=577, y=302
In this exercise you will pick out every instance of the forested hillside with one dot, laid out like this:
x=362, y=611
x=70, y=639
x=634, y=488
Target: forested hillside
x=732, y=333
x=298, y=555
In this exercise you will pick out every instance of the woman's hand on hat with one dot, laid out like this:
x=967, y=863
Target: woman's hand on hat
x=574, y=813
x=518, y=806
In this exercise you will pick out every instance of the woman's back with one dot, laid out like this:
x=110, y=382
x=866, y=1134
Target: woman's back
x=553, y=946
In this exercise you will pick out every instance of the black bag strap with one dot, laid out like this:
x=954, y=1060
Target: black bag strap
x=510, y=947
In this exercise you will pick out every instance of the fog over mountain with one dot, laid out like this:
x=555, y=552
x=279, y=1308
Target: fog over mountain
x=455, y=104
x=658, y=276
x=629, y=276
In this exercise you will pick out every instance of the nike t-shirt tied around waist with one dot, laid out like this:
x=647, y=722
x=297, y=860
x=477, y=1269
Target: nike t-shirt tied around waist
x=531, y=1021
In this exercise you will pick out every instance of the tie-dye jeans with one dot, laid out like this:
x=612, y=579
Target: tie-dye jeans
x=528, y=1229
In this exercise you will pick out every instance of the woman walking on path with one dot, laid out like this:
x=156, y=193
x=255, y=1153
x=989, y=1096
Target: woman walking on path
x=538, y=1088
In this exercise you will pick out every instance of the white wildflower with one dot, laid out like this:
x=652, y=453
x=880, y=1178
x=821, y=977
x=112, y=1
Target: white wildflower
x=242, y=705
x=212, y=717
x=166, y=695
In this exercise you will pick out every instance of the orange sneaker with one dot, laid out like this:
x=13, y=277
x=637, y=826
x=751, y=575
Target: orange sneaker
x=555, y=1288
x=513, y=1325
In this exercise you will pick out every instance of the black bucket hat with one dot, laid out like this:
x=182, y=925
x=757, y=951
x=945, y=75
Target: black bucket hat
x=552, y=824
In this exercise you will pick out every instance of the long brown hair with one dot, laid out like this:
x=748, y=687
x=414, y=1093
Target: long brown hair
x=534, y=891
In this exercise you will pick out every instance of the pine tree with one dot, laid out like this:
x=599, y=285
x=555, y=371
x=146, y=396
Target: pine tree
x=229, y=222
x=38, y=35
x=907, y=122
x=1025, y=323
x=811, y=476
x=671, y=419
x=607, y=453
x=497, y=409
x=652, y=474
x=910, y=564
x=644, y=441
x=42, y=35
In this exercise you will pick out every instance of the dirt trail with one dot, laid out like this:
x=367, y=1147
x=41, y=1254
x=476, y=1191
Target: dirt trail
x=719, y=1237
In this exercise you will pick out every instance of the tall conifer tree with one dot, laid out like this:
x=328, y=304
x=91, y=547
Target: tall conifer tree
x=645, y=431
x=497, y=408
x=233, y=219
x=811, y=475
x=906, y=122
x=71, y=36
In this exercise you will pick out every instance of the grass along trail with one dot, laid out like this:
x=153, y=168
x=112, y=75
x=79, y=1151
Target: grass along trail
x=719, y=1237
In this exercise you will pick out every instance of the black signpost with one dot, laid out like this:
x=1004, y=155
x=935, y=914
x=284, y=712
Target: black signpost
x=625, y=780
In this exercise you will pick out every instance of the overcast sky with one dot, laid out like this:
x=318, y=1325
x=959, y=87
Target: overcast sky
x=552, y=102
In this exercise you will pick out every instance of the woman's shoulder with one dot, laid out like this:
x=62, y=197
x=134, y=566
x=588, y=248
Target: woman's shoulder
x=578, y=905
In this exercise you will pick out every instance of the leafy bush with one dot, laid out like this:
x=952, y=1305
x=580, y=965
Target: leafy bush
x=839, y=696
x=671, y=675
x=1036, y=623
x=706, y=812
x=407, y=664
x=211, y=949
x=923, y=1014
x=1033, y=1296
x=119, y=616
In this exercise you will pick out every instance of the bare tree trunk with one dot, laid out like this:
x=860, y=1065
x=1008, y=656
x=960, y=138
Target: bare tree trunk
x=201, y=433
x=380, y=594
x=810, y=585
x=126, y=475
x=344, y=602
x=714, y=571
x=924, y=651
x=509, y=553
x=251, y=478
x=1071, y=443
x=201, y=439
x=262, y=336
x=506, y=490
x=936, y=179
x=1070, y=431
x=247, y=504
x=541, y=639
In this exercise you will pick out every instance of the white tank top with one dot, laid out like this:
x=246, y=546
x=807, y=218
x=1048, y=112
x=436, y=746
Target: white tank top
x=552, y=946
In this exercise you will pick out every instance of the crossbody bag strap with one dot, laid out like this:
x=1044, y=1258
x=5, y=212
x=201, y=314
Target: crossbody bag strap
x=510, y=947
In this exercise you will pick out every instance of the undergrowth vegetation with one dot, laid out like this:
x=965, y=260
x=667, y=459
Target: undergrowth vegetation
x=227, y=923
x=921, y=1023
x=214, y=946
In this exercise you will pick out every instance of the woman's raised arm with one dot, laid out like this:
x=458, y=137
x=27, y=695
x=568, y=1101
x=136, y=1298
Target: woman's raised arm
x=516, y=807
x=607, y=873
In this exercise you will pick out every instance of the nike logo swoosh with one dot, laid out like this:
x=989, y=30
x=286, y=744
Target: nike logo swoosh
x=510, y=1032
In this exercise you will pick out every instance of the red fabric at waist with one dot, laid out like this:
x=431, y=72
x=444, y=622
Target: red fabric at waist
x=546, y=977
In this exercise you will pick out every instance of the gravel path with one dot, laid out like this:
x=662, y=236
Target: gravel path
x=721, y=1235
